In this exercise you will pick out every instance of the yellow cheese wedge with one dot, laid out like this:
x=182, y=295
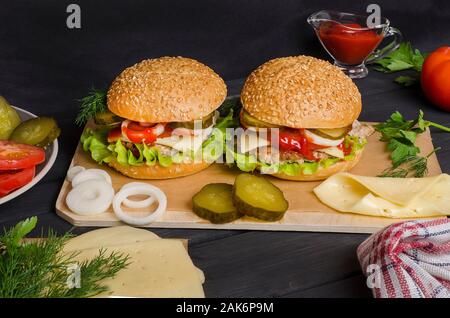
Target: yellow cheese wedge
x=110, y=236
x=158, y=268
x=333, y=151
x=387, y=197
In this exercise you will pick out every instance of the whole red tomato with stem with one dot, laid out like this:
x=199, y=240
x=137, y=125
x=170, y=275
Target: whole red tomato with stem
x=435, y=77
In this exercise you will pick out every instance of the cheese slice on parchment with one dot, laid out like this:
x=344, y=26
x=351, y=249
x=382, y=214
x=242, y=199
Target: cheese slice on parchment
x=387, y=197
x=158, y=268
x=110, y=236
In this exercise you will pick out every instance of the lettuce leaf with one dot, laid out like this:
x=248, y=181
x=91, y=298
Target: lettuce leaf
x=150, y=155
x=163, y=160
x=94, y=142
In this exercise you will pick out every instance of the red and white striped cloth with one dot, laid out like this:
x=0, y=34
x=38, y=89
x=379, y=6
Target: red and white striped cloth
x=408, y=260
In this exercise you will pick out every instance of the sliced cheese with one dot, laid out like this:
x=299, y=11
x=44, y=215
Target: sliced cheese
x=158, y=268
x=181, y=143
x=250, y=141
x=186, y=142
x=387, y=197
x=109, y=237
x=333, y=151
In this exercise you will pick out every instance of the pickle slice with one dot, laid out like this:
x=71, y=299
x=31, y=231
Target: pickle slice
x=107, y=118
x=207, y=121
x=39, y=131
x=248, y=120
x=214, y=203
x=332, y=133
x=257, y=197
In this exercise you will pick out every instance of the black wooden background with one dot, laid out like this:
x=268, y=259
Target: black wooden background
x=45, y=68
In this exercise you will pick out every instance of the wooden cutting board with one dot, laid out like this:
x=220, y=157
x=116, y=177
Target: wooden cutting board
x=306, y=212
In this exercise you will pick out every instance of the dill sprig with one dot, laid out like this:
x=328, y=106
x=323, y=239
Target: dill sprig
x=412, y=166
x=93, y=103
x=39, y=269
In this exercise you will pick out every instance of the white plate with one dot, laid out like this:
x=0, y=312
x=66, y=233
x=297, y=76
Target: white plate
x=41, y=170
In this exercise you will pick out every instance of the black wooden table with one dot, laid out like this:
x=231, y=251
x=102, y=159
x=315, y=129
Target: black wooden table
x=46, y=67
x=246, y=263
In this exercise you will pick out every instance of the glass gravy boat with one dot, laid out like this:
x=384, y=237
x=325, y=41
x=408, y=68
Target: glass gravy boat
x=352, y=41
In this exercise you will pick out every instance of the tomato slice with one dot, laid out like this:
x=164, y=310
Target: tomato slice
x=114, y=134
x=137, y=133
x=346, y=150
x=14, y=179
x=19, y=156
x=295, y=140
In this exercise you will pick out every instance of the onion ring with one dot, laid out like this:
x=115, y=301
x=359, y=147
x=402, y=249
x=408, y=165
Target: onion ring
x=73, y=171
x=90, y=197
x=91, y=174
x=140, y=189
x=134, y=204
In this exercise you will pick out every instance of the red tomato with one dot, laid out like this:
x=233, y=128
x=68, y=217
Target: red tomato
x=14, y=179
x=295, y=140
x=114, y=134
x=435, y=78
x=19, y=156
x=137, y=133
x=346, y=150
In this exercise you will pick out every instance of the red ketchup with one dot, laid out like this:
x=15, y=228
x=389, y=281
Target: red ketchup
x=348, y=43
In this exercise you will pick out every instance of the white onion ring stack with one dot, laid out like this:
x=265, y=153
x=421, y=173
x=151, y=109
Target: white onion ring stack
x=91, y=174
x=93, y=196
x=92, y=192
x=133, y=204
x=73, y=171
x=138, y=189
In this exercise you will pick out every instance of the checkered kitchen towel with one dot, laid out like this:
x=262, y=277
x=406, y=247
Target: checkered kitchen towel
x=408, y=260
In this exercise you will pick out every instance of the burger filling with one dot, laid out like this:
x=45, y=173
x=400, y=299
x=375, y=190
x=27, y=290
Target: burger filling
x=297, y=150
x=133, y=143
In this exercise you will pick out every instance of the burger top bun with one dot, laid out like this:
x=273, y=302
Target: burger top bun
x=301, y=92
x=166, y=89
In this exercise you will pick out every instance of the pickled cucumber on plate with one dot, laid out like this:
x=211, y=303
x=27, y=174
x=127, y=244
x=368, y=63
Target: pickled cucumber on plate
x=40, y=131
x=9, y=119
x=214, y=202
x=257, y=197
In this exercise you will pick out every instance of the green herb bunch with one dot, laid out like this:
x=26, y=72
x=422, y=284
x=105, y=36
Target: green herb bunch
x=404, y=58
x=401, y=134
x=37, y=268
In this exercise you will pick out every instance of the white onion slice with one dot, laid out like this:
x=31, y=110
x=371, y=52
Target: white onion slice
x=318, y=140
x=134, y=204
x=91, y=174
x=73, y=171
x=90, y=197
x=159, y=129
x=146, y=189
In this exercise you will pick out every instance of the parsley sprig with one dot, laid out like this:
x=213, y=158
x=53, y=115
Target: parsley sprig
x=404, y=58
x=400, y=135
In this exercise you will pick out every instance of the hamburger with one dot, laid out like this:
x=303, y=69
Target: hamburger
x=310, y=108
x=159, y=115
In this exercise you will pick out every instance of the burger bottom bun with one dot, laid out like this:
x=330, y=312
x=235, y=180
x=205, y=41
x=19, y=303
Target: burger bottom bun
x=323, y=173
x=157, y=171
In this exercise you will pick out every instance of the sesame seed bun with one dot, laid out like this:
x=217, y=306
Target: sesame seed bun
x=157, y=171
x=323, y=173
x=301, y=92
x=166, y=89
